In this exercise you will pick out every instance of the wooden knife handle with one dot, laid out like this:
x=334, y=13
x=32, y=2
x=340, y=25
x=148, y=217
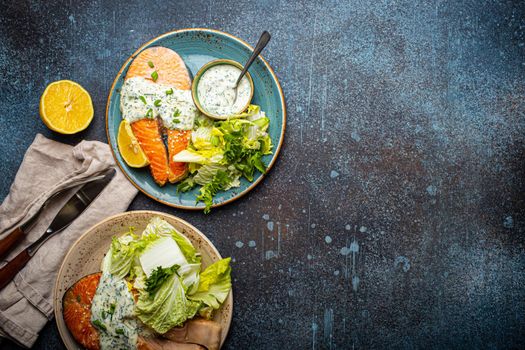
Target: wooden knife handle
x=9, y=271
x=9, y=242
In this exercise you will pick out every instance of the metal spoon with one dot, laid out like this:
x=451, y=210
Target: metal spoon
x=261, y=44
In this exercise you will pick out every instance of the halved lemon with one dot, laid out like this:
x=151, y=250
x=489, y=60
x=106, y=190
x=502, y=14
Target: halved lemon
x=129, y=147
x=66, y=107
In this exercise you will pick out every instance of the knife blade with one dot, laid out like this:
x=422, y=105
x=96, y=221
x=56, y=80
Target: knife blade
x=73, y=208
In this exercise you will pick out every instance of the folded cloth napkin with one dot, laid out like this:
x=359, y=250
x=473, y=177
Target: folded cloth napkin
x=26, y=303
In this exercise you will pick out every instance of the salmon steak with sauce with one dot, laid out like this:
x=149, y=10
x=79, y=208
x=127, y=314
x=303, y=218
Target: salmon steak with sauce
x=195, y=334
x=77, y=311
x=169, y=69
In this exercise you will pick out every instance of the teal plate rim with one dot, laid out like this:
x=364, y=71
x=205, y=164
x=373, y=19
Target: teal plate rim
x=274, y=155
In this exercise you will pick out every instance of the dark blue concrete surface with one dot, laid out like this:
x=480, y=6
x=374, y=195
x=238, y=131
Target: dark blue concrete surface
x=395, y=216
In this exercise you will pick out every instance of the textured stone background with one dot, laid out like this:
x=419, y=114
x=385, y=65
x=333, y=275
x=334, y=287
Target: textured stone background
x=394, y=216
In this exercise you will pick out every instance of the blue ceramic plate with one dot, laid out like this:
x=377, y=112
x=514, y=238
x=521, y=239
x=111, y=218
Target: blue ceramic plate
x=197, y=47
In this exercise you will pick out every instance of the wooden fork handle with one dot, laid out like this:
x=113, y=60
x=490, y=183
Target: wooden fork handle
x=9, y=271
x=9, y=242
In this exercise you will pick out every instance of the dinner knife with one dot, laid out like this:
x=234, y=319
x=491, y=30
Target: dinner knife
x=69, y=212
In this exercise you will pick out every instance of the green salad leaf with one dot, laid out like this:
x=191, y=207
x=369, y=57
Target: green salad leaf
x=158, y=227
x=221, y=152
x=215, y=284
x=158, y=277
x=122, y=255
x=168, y=307
x=219, y=182
x=164, y=252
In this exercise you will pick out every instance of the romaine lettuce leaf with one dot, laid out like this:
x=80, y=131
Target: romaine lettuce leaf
x=206, y=173
x=205, y=156
x=215, y=284
x=250, y=111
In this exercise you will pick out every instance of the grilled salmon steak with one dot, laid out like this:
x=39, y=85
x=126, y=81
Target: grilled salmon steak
x=177, y=141
x=77, y=311
x=160, y=65
x=147, y=132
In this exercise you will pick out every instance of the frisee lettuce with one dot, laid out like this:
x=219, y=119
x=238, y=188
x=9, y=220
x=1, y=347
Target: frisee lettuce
x=219, y=182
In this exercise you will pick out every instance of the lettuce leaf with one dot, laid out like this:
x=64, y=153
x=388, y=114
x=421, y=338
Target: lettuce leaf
x=164, y=253
x=215, y=284
x=250, y=111
x=220, y=182
x=159, y=227
x=121, y=256
x=206, y=173
x=158, y=277
x=205, y=156
x=168, y=307
x=221, y=152
x=190, y=275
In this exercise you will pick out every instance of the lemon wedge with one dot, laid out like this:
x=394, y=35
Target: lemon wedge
x=66, y=107
x=129, y=146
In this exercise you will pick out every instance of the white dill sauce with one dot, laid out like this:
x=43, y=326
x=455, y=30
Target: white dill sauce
x=112, y=312
x=141, y=99
x=216, y=90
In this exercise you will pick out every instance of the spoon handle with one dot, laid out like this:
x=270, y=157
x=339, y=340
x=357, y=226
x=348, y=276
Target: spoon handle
x=263, y=40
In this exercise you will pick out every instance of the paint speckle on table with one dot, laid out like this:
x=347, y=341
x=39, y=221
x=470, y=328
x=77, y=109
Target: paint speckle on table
x=432, y=190
x=334, y=174
x=355, y=283
x=239, y=244
x=328, y=239
x=355, y=136
x=270, y=254
x=348, y=227
x=266, y=217
x=402, y=261
x=270, y=225
x=328, y=327
x=362, y=229
x=354, y=247
x=336, y=273
x=508, y=222
x=252, y=244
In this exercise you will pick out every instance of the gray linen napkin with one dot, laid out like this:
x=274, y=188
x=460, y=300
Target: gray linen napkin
x=26, y=303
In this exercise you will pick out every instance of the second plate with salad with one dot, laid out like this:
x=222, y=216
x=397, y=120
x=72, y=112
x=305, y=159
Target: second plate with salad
x=188, y=159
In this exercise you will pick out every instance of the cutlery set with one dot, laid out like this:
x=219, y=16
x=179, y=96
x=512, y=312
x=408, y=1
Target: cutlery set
x=71, y=210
